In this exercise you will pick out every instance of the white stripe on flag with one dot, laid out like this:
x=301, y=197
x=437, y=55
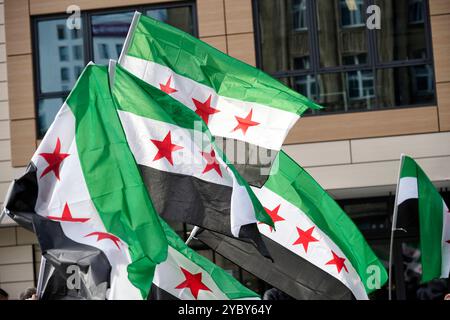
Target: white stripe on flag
x=407, y=189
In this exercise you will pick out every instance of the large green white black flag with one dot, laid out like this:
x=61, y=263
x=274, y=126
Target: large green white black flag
x=238, y=102
x=418, y=200
x=188, y=177
x=318, y=252
x=84, y=197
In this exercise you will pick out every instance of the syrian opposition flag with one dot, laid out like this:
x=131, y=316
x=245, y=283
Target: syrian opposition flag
x=84, y=197
x=187, y=176
x=317, y=250
x=418, y=199
x=186, y=275
x=237, y=101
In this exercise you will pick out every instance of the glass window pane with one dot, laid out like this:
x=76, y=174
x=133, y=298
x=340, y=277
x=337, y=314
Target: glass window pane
x=405, y=86
x=341, y=31
x=109, y=31
x=347, y=91
x=402, y=34
x=284, y=35
x=58, y=52
x=47, y=110
x=179, y=17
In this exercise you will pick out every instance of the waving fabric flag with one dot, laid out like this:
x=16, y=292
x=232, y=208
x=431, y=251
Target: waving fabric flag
x=237, y=101
x=187, y=176
x=418, y=200
x=84, y=197
x=186, y=275
x=317, y=250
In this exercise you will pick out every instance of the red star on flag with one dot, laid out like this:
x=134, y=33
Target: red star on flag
x=448, y=241
x=305, y=237
x=67, y=216
x=273, y=215
x=103, y=236
x=211, y=162
x=165, y=148
x=54, y=160
x=166, y=87
x=338, y=262
x=204, y=109
x=193, y=282
x=245, y=123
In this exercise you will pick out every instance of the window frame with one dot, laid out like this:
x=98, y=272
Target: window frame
x=373, y=62
x=86, y=36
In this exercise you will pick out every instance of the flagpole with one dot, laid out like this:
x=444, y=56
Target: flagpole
x=192, y=235
x=394, y=226
x=40, y=278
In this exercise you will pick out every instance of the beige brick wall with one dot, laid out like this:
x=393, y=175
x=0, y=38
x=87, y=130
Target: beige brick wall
x=17, y=264
x=19, y=258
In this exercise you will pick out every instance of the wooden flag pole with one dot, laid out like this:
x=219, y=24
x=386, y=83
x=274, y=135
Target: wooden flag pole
x=394, y=227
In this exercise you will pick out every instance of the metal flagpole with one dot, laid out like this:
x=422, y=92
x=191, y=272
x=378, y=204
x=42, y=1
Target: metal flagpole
x=2, y=215
x=192, y=235
x=394, y=227
x=40, y=278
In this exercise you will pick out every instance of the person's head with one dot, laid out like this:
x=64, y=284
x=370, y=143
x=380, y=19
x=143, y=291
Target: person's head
x=3, y=294
x=27, y=294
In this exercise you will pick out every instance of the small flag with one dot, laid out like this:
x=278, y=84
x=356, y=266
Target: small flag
x=187, y=176
x=186, y=275
x=317, y=250
x=238, y=102
x=84, y=197
x=418, y=200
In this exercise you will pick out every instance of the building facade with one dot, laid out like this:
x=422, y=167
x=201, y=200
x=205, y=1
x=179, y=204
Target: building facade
x=385, y=90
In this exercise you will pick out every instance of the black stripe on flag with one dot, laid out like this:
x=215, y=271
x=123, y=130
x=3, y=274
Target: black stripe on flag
x=408, y=215
x=289, y=272
x=156, y=293
x=184, y=198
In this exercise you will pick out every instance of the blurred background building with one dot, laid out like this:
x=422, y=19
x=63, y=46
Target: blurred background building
x=385, y=91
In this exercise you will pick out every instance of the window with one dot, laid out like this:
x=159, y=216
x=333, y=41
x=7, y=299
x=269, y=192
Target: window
x=64, y=74
x=62, y=53
x=77, y=52
x=351, y=13
x=61, y=31
x=299, y=15
x=323, y=49
x=416, y=11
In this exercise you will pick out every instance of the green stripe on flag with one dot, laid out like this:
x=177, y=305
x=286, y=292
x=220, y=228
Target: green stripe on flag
x=409, y=168
x=295, y=185
x=186, y=55
x=430, y=218
x=112, y=176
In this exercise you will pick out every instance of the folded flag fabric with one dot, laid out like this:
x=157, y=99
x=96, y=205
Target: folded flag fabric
x=317, y=250
x=186, y=275
x=84, y=197
x=237, y=101
x=187, y=176
x=418, y=200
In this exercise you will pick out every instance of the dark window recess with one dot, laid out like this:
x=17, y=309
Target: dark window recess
x=323, y=49
x=61, y=53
